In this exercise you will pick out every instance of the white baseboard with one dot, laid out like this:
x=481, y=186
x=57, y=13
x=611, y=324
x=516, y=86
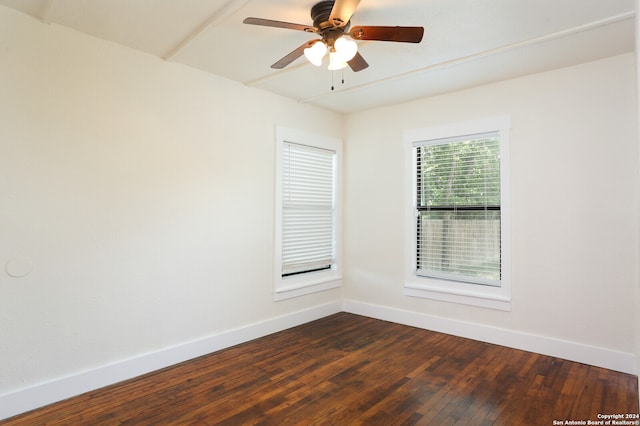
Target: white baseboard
x=572, y=351
x=24, y=400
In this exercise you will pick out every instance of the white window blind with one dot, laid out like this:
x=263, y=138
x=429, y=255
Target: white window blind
x=458, y=208
x=308, y=209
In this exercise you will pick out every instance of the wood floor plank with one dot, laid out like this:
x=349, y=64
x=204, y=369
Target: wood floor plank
x=349, y=370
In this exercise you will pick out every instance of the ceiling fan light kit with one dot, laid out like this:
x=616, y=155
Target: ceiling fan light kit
x=340, y=53
x=331, y=21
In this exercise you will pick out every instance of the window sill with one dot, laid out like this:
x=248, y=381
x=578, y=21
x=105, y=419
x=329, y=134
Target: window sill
x=462, y=293
x=288, y=288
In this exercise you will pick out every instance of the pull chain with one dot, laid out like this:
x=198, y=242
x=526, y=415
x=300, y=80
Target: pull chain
x=332, y=78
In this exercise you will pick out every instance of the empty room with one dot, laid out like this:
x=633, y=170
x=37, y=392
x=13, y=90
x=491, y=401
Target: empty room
x=319, y=212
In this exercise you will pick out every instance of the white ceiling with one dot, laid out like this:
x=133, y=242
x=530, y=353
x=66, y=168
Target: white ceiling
x=466, y=42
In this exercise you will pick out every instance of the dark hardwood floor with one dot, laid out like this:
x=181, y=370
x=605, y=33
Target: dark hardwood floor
x=346, y=370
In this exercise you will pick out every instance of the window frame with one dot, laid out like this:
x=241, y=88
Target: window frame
x=469, y=293
x=314, y=281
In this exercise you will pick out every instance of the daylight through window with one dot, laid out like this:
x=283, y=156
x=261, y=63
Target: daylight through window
x=458, y=211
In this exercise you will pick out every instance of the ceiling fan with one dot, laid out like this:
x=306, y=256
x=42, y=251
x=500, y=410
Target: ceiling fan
x=331, y=21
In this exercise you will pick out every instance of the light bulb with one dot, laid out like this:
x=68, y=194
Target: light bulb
x=345, y=49
x=315, y=53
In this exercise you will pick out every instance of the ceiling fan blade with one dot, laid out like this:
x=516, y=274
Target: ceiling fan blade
x=342, y=11
x=401, y=34
x=358, y=63
x=286, y=60
x=279, y=24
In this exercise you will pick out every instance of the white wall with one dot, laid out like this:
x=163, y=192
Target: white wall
x=140, y=195
x=574, y=189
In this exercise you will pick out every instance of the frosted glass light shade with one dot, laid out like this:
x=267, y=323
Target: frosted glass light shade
x=345, y=49
x=315, y=53
x=335, y=63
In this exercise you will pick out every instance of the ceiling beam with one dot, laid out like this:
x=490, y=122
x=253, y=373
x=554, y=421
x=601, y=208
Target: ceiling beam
x=222, y=13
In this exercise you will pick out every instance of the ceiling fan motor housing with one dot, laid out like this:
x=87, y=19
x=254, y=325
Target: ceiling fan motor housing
x=330, y=31
x=320, y=13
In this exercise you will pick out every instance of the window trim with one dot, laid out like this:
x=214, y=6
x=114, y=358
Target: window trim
x=308, y=282
x=453, y=291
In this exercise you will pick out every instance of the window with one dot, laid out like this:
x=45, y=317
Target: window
x=307, y=213
x=458, y=233
x=458, y=208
